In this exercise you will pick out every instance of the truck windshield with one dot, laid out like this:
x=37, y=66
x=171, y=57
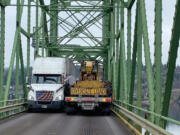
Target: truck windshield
x=47, y=79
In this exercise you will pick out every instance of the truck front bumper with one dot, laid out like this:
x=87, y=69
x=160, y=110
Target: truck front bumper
x=45, y=104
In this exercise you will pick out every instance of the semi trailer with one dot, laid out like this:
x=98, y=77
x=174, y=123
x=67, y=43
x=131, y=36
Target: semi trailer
x=90, y=92
x=46, y=89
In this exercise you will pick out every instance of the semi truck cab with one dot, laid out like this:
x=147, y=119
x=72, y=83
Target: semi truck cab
x=46, y=89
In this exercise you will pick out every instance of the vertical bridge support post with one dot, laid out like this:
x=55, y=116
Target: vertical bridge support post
x=2, y=46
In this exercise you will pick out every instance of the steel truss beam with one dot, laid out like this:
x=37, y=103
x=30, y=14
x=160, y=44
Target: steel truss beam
x=16, y=45
x=75, y=50
x=174, y=44
x=2, y=46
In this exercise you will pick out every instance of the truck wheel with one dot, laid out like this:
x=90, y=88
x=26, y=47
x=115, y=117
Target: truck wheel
x=67, y=89
x=29, y=110
x=106, y=109
x=69, y=110
x=108, y=86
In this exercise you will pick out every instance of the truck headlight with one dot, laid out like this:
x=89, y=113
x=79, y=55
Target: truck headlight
x=60, y=97
x=30, y=97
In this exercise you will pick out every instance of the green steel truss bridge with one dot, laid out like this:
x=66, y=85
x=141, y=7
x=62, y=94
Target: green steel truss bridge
x=90, y=30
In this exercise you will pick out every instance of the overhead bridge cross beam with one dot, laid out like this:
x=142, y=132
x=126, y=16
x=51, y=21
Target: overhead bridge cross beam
x=77, y=50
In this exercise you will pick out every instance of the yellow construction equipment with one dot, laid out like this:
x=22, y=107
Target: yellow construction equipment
x=89, y=92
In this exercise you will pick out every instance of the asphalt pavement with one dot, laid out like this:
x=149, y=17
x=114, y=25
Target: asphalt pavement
x=50, y=123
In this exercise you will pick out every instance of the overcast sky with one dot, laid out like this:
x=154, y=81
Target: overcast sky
x=168, y=14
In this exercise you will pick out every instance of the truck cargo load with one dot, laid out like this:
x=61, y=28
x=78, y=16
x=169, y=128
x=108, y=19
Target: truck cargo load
x=90, y=92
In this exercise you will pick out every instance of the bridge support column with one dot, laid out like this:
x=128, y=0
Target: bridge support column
x=53, y=22
x=158, y=61
x=28, y=39
x=147, y=57
x=2, y=45
x=139, y=63
x=174, y=44
x=123, y=70
x=36, y=50
x=116, y=49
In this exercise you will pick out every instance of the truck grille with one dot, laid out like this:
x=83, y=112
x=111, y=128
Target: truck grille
x=44, y=95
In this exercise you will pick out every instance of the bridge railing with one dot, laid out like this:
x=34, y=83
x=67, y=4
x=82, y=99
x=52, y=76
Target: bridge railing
x=139, y=116
x=12, y=107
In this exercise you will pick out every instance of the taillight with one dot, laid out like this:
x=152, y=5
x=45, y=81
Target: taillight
x=69, y=99
x=108, y=100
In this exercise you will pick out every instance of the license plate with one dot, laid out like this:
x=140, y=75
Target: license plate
x=44, y=106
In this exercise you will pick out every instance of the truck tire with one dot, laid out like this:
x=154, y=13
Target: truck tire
x=108, y=86
x=69, y=110
x=106, y=110
x=29, y=110
x=67, y=90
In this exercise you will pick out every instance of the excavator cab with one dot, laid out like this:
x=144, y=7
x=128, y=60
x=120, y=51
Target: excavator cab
x=89, y=70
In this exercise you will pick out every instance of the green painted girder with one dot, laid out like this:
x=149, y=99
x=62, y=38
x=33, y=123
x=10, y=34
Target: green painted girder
x=83, y=9
x=77, y=55
x=25, y=33
x=36, y=52
x=74, y=52
x=15, y=43
x=129, y=50
x=139, y=61
x=123, y=65
x=134, y=54
x=150, y=77
x=84, y=0
x=28, y=38
x=2, y=49
x=106, y=28
x=4, y=2
x=116, y=49
x=44, y=25
x=174, y=44
x=17, y=68
x=128, y=4
x=80, y=29
x=85, y=29
x=22, y=69
x=53, y=22
x=65, y=50
x=78, y=36
x=77, y=29
x=61, y=19
x=70, y=46
x=158, y=61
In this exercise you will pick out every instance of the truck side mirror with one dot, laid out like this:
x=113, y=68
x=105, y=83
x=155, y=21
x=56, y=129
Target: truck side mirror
x=27, y=80
x=28, y=86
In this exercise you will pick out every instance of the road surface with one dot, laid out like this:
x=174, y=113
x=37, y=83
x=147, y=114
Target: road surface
x=62, y=124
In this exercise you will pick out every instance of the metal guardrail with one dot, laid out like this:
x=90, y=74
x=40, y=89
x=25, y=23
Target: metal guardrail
x=13, y=107
x=150, y=127
x=149, y=112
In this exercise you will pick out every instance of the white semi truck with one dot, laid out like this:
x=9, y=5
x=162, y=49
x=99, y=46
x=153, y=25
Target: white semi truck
x=46, y=87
